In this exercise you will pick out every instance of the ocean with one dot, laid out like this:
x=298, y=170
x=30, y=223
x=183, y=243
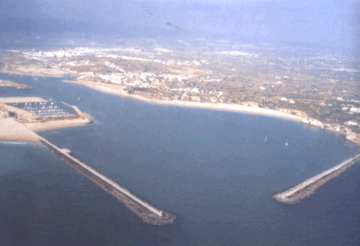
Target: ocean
x=216, y=171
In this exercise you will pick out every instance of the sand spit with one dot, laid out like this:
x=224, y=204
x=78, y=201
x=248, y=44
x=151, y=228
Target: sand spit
x=22, y=100
x=12, y=84
x=13, y=131
x=57, y=124
x=311, y=185
x=36, y=71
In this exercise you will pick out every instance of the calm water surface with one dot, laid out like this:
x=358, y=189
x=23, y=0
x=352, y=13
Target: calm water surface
x=216, y=171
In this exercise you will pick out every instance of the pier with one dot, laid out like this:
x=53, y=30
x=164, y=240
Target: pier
x=311, y=185
x=142, y=209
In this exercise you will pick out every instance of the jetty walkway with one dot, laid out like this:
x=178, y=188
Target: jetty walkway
x=311, y=185
x=144, y=210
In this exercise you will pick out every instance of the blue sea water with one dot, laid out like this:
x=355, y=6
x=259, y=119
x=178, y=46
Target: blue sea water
x=217, y=171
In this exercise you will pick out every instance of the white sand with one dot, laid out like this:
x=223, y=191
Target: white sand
x=11, y=130
x=57, y=124
x=22, y=100
x=110, y=89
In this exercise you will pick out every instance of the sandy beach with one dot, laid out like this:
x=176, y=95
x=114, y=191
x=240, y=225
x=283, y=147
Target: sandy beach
x=13, y=84
x=34, y=71
x=117, y=90
x=57, y=124
x=12, y=131
x=114, y=90
x=22, y=100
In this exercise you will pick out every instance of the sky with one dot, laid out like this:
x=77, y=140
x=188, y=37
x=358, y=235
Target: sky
x=320, y=22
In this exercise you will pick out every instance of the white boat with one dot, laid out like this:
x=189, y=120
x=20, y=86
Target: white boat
x=286, y=143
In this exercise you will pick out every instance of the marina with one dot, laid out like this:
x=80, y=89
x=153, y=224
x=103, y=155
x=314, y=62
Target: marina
x=220, y=182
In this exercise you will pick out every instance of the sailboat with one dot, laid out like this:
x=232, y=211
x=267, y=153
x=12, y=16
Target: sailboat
x=286, y=143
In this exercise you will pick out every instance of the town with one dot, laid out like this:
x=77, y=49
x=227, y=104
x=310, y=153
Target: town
x=320, y=89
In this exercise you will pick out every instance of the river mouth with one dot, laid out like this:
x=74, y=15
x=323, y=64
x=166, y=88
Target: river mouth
x=214, y=170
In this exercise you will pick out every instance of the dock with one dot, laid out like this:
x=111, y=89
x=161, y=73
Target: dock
x=311, y=185
x=147, y=212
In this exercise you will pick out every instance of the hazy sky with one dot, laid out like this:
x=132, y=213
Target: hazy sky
x=327, y=22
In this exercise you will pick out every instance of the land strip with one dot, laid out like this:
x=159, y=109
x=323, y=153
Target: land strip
x=310, y=89
x=12, y=84
x=19, y=125
x=13, y=131
x=311, y=185
x=57, y=124
x=29, y=114
x=148, y=213
x=284, y=113
x=22, y=100
x=116, y=90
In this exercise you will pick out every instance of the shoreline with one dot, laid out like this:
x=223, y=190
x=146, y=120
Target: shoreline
x=25, y=129
x=114, y=89
x=13, y=84
x=39, y=72
x=57, y=124
x=224, y=107
x=13, y=131
x=26, y=132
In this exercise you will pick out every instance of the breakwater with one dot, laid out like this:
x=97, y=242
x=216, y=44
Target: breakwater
x=309, y=186
x=144, y=210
